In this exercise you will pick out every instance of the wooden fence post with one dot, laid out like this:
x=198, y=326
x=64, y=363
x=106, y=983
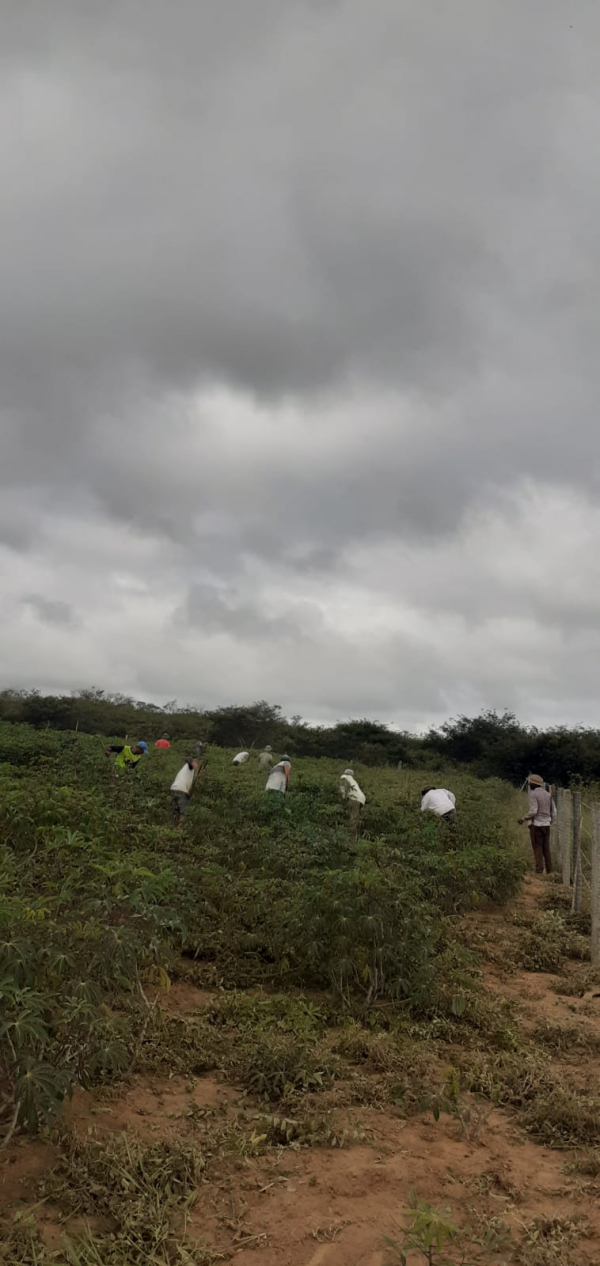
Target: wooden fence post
x=577, y=873
x=555, y=853
x=595, y=885
x=565, y=833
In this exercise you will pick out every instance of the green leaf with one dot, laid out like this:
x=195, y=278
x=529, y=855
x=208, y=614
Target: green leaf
x=39, y=1092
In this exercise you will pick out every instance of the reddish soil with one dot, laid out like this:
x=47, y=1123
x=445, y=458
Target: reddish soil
x=26, y=1161
x=182, y=998
x=153, y=1109
x=323, y=1207
x=334, y=1208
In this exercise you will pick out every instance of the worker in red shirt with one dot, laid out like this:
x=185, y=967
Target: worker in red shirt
x=163, y=742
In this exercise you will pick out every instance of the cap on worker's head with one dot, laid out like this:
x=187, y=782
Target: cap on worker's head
x=350, y=772
x=535, y=780
x=268, y=749
x=285, y=758
x=144, y=746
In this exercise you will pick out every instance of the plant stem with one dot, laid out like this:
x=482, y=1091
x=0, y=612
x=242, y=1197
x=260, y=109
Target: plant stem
x=11, y=1129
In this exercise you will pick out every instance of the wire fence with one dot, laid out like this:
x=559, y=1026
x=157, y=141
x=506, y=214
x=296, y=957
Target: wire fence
x=577, y=841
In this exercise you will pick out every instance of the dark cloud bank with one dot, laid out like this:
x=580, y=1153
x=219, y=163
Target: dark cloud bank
x=299, y=380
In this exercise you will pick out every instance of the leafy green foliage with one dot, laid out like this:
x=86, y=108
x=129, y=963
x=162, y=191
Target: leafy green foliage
x=491, y=745
x=548, y=940
x=100, y=897
x=429, y=1231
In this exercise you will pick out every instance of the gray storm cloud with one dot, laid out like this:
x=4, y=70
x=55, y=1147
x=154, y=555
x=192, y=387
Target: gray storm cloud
x=298, y=346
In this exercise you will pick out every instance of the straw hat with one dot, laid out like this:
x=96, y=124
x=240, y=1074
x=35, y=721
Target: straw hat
x=535, y=780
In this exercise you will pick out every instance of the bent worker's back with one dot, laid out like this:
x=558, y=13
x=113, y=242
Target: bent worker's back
x=279, y=777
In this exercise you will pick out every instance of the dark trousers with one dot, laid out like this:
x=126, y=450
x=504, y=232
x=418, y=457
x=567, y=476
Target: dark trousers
x=540, y=843
x=354, y=808
x=181, y=803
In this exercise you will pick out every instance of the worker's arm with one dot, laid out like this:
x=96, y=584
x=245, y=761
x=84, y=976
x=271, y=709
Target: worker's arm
x=197, y=768
x=115, y=748
x=533, y=809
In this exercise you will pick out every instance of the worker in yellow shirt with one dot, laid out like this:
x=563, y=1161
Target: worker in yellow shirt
x=127, y=757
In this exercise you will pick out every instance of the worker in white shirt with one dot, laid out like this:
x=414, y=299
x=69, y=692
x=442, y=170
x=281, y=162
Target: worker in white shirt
x=265, y=759
x=181, y=790
x=352, y=793
x=241, y=758
x=441, y=802
x=279, y=778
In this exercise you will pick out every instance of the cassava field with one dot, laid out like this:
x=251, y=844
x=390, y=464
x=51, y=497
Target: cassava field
x=272, y=1041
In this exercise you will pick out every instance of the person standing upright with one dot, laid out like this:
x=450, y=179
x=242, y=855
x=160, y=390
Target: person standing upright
x=539, y=819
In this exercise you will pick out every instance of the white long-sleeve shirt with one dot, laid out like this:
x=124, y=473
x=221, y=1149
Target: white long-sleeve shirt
x=350, y=789
x=438, y=801
x=185, y=779
x=542, y=809
x=279, y=777
x=241, y=758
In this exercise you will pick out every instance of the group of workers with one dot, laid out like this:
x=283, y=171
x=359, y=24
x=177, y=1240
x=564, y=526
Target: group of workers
x=278, y=780
x=279, y=776
x=436, y=800
x=277, y=783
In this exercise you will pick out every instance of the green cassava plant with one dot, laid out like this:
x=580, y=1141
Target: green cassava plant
x=428, y=1233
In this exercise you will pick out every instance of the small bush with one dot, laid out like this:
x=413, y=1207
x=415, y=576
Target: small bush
x=274, y=1067
x=544, y=945
x=551, y=1111
x=135, y=1197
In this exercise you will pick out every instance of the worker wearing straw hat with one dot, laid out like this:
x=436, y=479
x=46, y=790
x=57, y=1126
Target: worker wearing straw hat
x=265, y=758
x=539, y=818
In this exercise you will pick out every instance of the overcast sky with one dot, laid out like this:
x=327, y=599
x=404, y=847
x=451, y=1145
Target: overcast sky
x=300, y=354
